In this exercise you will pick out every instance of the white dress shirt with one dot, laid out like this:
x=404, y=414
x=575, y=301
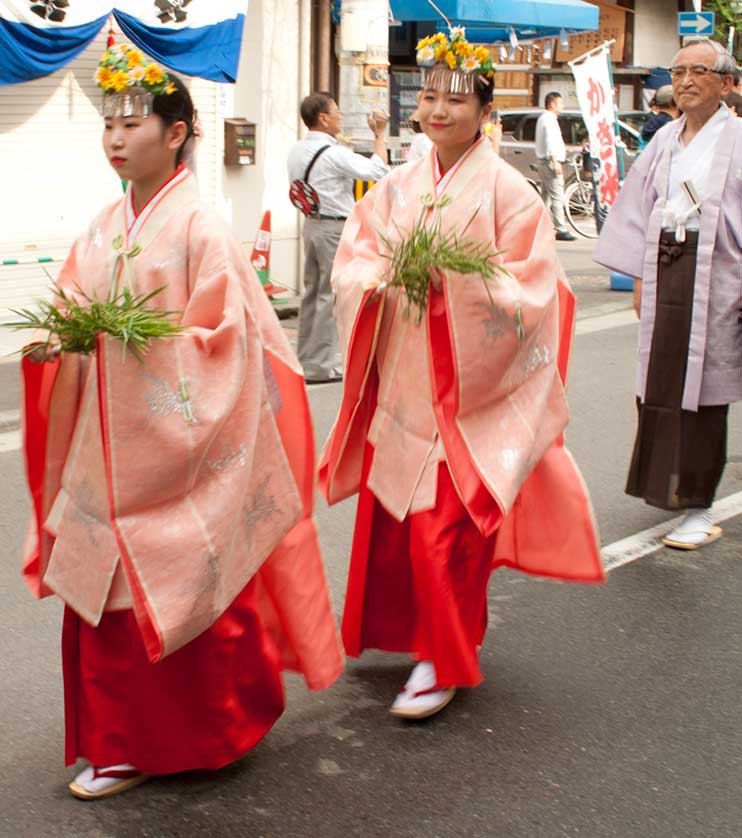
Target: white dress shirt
x=549, y=140
x=334, y=172
x=691, y=163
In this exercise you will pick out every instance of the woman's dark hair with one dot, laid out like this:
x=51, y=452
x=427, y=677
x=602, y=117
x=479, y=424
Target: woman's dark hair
x=176, y=107
x=485, y=90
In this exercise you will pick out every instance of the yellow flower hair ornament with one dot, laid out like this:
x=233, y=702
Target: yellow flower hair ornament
x=451, y=63
x=129, y=81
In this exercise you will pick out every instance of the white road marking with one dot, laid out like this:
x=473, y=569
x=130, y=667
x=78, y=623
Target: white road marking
x=10, y=441
x=600, y=322
x=648, y=541
x=9, y=418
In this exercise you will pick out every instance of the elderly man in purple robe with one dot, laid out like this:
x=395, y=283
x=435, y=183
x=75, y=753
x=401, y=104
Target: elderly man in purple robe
x=677, y=228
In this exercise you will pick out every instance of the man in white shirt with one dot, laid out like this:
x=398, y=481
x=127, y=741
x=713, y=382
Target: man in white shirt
x=332, y=176
x=551, y=154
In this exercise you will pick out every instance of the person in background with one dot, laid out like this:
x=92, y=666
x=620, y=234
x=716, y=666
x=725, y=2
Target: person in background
x=551, y=154
x=332, y=176
x=665, y=110
x=676, y=227
x=421, y=142
x=493, y=130
x=734, y=102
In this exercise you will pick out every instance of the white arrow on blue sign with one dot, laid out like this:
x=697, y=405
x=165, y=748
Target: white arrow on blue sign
x=696, y=23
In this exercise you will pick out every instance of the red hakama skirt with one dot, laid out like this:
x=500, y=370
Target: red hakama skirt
x=420, y=586
x=203, y=706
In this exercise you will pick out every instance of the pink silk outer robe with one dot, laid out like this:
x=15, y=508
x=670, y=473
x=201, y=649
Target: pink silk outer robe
x=498, y=400
x=166, y=485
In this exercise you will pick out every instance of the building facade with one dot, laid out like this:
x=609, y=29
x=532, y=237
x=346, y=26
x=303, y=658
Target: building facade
x=54, y=176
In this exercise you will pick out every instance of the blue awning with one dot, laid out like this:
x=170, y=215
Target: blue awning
x=490, y=21
x=37, y=39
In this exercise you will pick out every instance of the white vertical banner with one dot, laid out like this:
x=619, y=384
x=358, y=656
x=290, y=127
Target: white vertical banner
x=597, y=103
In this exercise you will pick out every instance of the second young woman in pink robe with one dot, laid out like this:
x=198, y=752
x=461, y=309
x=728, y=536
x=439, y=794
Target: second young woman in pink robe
x=451, y=428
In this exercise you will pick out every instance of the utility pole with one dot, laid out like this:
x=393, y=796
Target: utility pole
x=363, y=53
x=323, y=46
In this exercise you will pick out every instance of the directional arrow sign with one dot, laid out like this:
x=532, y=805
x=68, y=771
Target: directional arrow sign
x=696, y=23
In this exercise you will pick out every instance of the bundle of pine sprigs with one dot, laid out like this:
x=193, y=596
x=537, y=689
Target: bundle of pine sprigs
x=126, y=317
x=428, y=247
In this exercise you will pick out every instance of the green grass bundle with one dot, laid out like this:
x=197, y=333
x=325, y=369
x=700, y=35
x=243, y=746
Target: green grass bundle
x=126, y=317
x=426, y=247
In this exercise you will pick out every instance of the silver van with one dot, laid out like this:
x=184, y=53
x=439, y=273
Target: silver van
x=518, y=146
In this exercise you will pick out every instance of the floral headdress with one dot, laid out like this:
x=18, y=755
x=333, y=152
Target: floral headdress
x=129, y=81
x=452, y=64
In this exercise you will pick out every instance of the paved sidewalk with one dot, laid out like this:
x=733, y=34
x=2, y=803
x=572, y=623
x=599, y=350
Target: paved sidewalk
x=10, y=343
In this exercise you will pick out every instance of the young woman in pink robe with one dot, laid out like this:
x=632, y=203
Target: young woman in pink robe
x=173, y=494
x=450, y=428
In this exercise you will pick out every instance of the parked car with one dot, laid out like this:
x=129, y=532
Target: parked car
x=518, y=146
x=635, y=119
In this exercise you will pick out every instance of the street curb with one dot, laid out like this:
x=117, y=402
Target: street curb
x=10, y=420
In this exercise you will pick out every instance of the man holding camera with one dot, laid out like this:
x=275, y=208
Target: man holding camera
x=333, y=168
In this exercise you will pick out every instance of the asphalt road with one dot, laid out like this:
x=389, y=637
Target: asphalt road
x=607, y=712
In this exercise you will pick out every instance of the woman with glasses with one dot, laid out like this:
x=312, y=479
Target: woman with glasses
x=677, y=228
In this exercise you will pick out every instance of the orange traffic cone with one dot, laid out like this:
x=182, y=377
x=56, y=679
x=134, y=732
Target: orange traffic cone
x=261, y=255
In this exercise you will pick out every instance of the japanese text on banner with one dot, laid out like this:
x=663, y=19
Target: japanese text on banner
x=595, y=95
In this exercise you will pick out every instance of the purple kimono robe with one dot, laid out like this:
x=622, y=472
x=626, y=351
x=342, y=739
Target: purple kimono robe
x=629, y=244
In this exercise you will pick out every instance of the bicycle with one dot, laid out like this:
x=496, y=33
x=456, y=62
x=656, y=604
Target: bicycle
x=579, y=206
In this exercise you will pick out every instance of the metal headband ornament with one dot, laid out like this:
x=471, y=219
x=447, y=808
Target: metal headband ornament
x=450, y=63
x=130, y=81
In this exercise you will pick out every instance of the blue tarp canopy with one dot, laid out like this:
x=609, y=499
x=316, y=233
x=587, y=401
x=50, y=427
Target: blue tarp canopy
x=659, y=77
x=200, y=40
x=490, y=21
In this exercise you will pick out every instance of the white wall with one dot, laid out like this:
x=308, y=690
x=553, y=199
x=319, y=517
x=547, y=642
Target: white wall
x=53, y=173
x=365, y=30
x=271, y=83
x=655, y=32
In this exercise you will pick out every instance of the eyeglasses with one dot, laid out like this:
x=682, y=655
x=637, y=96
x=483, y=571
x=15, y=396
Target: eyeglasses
x=696, y=71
